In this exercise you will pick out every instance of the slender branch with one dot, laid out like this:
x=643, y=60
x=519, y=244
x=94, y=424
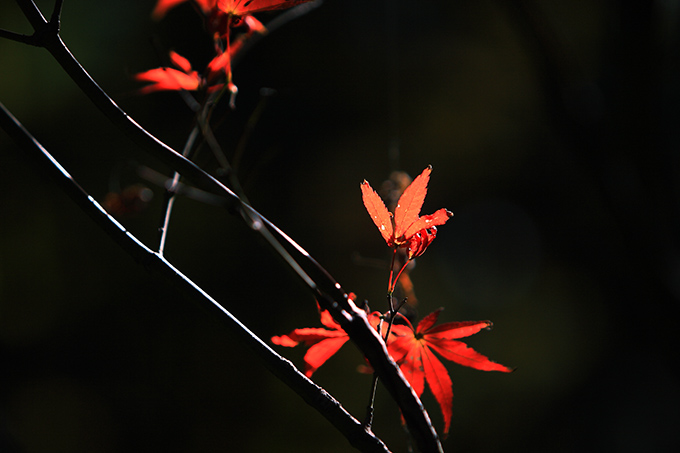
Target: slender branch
x=282, y=368
x=55, y=19
x=249, y=128
x=368, y=422
x=162, y=180
x=171, y=193
x=33, y=14
x=18, y=37
x=329, y=293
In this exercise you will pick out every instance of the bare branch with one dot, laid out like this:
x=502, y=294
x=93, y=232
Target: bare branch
x=282, y=368
x=18, y=37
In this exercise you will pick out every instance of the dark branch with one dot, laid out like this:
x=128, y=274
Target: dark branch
x=282, y=368
x=18, y=37
x=32, y=13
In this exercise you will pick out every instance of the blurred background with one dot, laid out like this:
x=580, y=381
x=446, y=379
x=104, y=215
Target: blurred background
x=552, y=130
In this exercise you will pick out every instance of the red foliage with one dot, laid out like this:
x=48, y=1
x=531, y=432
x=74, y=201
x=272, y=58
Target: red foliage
x=169, y=78
x=406, y=228
x=413, y=350
x=323, y=343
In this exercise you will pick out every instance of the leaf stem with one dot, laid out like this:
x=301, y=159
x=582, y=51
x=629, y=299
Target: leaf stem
x=390, y=286
x=396, y=279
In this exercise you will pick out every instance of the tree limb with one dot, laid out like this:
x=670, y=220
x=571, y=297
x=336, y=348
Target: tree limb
x=157, y=265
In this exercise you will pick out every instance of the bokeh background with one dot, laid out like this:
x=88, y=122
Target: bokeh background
x=553, y=131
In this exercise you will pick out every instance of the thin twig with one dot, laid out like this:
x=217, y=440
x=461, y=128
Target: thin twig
x=368, y=422
x=18, y=37
x=171, y=193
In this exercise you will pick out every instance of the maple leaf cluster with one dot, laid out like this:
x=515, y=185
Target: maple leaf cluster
x=221, y=17
x=413, y=349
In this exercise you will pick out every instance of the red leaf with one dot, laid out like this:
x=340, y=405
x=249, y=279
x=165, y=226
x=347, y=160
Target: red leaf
x=180, y=62
x=414, y=350
x=406, y=229
x=307, y=335
x=168, y=79
x=455, y=330
x=440, y=383
x=440, y=217
x=378, y=211
x=462, y=354
x=323, y=342
x=428, y=321
x=412, y=368
x=163, y=6
x=285, y=340
x=420, y=241
x=243, y=7
x=410, y=203
x=328, y=321
x=322, y=351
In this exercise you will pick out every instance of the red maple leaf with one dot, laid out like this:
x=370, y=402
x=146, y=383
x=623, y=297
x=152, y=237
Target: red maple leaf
x=169, y=78
x=323, y=343
x=185, y=78
x=412, y=349
x=406, y=228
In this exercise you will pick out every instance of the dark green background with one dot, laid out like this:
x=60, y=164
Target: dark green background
x=552, y=129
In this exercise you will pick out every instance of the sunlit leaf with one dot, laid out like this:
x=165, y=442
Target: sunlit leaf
x=413, y=350
x=377, y=210
x=410, y=203
x=406, y=228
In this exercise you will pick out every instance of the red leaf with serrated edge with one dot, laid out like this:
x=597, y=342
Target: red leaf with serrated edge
x=462, y=354
x=413, y=350
x=440, y=217
x=406, y=229
x=378, y=211
x=460, y=329
x=323, y=342
x=410, y=203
